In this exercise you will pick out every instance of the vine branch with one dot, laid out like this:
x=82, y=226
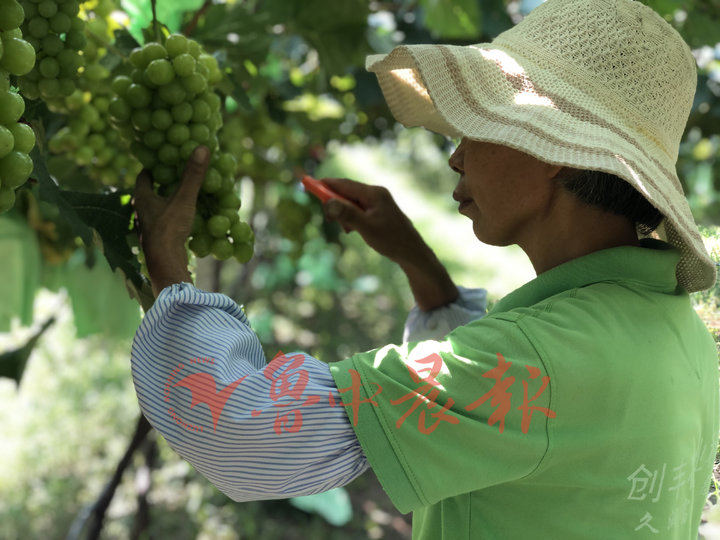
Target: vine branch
x=190, y=27
x=156, y=28
x=96, y=513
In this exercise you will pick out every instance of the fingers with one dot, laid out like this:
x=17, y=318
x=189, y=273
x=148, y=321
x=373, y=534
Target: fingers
x=363, y=194
x=193, y=177
x=348, y=215
x=143, y=194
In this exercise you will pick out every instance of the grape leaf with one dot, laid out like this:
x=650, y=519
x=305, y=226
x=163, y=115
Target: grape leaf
x=168, y=13
x=49, y=191
x=12, y=363
x=107, y=214
x=110, y=217
x=452, y=19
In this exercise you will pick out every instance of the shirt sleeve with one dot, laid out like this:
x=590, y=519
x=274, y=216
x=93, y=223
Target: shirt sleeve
x=437, y=419
x=253, y=429
x=470, y=305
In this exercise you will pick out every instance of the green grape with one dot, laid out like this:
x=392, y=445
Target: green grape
x=176, y=44
x=38, y=27
x=160, y=72
x=243, y=252
x=95, y=72
x=184, y=65
x=201, y=112
x=241, y=232
x=187, y=148
x=12, y=107
x=229, y=201
x=14, y=33
x=18, y=57
x=153, y=139
x=168, y=154
x=120, y=84
x=70, y=8
x=84, y=155
x=218, y=226
x=15, y=169
x=194, y=48
x=143, y=155
x=227, y=164
x=49, y=88
x=213, y=100
x=24, y=137
x=213, y=181
x=231, y=214
x=66, y=86
x=154, y=51
x=60, y=22
x=11, y=15
x=140, y=120
x=138, y=96
x=200, y=243
x=164, y=174
x=161, y=119
x=178, y=134
x=7, y=198
x=49, y=67
x=200, y=133
x=226, y=187
x=47, y=8
x=221, y=248
x=182, y=113
x=172, y=93
x=194, y=84
x=75, y=40
x=137, y=58
x=7, y=141
x=119, y=109
x=52, y=44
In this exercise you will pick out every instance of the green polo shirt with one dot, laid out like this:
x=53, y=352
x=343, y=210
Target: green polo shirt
x=584, y=405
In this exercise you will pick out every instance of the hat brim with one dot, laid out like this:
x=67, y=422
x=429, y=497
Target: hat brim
x=488, y=93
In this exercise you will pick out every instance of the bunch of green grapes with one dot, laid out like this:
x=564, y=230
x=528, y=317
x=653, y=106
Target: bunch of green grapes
x=88, y=138
x=56, y=33
x=17, y=57
x=165, y=109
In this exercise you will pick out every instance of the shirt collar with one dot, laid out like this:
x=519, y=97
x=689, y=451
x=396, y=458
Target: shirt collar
x=653, y=264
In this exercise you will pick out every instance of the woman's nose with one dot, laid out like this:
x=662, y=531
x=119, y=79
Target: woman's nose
x=455, y=161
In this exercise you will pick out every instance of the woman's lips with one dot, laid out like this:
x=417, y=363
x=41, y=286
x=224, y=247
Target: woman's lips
x=464, y=204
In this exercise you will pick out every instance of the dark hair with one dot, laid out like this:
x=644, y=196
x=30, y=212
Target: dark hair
x=611, y=194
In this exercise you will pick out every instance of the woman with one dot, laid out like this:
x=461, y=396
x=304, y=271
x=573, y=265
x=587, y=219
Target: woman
x=583, y=405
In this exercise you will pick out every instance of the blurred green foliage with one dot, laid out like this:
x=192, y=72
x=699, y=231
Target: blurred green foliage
x=295, y=91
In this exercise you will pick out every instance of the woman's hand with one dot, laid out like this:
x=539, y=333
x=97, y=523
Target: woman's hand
x=386, y=229
x=165, y=223
x=376, y=218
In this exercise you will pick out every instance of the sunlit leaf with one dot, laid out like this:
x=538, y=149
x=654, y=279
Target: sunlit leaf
x=333, y=505
x=452, y=19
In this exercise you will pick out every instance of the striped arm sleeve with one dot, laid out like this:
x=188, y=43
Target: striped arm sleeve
x=255, y=430
x=420, y=325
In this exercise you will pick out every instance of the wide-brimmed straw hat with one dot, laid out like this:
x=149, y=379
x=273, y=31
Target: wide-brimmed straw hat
x=601, y=85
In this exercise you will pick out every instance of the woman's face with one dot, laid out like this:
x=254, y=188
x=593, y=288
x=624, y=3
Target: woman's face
x=503, y=191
